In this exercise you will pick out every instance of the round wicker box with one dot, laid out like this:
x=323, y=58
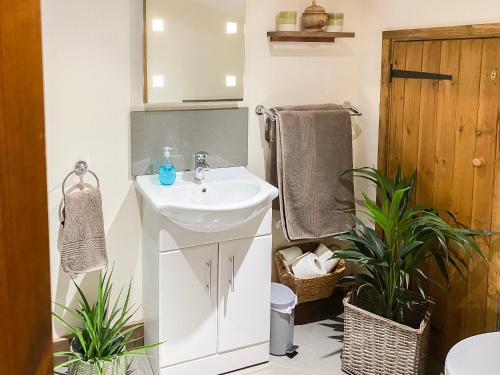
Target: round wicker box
x=374, y=345
x=310, y=289
x=314, y=18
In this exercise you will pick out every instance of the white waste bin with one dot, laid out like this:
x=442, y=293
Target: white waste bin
x=283, y=302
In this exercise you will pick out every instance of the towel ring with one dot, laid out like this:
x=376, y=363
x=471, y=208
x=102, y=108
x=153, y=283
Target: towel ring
x=81, y=167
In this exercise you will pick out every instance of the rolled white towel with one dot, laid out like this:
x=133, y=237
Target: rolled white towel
x=290, y=254
x=324, y=254
x=308, y=265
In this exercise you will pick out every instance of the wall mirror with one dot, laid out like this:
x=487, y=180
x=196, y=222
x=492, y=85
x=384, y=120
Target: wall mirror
x=194, y=51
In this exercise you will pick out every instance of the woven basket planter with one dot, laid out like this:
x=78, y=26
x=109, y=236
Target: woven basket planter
x=374, y=345
x=116, y=367
x=310, y=289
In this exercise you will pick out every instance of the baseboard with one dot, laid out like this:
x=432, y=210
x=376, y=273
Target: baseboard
x=221, y=363
x=61, y=344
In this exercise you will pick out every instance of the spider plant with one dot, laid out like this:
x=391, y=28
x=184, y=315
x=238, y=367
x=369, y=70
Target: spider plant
x=409, y=234
x=101, y=335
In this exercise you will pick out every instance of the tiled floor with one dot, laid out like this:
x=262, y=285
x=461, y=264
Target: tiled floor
x=320, y=346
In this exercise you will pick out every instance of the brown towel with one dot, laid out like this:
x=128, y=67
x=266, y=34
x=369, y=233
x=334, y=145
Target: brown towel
x=83, y=240
x=314, y=148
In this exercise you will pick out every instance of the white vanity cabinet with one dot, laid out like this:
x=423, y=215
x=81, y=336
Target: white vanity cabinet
x=206, y=271
x=206, y=295
x=214, y=299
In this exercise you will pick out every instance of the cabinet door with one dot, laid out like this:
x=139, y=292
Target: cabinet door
x=188, y=304
x=244, y=292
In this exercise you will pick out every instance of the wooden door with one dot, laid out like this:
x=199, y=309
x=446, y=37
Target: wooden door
x=188, y=304
x=244, y=292
x=25, y=323
x=448, y=131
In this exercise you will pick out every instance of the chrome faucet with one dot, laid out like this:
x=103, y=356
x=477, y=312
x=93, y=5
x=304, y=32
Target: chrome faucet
x=200, y=165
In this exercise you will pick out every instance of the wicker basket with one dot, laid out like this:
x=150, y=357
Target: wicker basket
x=310, y=289
x=117, y=366
x=374, y=345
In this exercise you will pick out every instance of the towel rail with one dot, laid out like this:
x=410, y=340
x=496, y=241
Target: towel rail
x=261, y=110
x=81, y=168
x=347, y=105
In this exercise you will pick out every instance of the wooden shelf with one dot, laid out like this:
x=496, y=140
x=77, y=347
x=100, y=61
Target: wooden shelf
x=304, y=36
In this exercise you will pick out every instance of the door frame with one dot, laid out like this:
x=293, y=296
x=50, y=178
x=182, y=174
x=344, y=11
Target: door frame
x=490, y=30
x=25, y=318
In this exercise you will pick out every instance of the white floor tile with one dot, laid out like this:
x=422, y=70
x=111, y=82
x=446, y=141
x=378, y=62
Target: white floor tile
x=320, y=346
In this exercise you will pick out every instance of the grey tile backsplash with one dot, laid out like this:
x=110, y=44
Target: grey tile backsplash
x=223, y=133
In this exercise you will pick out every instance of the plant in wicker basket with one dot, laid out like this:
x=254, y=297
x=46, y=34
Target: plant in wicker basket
x=393, y=285
x=411, y=234
x=101, y=340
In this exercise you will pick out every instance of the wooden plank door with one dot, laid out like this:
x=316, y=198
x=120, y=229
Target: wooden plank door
x=25, y=324
x=448, y=131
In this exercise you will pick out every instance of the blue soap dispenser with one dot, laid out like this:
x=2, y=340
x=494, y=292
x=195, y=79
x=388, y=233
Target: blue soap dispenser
x=167, y=172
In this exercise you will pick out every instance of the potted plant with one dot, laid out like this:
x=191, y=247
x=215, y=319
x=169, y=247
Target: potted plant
x=387, y=314
x=101, y=338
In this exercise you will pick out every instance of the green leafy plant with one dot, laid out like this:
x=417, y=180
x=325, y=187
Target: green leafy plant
x=409, y=234
x=102, y=334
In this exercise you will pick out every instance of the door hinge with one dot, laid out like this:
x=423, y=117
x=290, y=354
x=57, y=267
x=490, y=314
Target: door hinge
x=397, y=73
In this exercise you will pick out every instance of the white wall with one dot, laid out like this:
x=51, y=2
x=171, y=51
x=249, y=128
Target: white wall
x=93, y=74
x=87, y=47
x=299, y=73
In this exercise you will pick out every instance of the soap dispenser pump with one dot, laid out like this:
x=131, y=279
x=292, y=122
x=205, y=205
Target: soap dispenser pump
x=167, y=172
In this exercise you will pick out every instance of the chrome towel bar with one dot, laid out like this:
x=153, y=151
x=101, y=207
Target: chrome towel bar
x=261, y=110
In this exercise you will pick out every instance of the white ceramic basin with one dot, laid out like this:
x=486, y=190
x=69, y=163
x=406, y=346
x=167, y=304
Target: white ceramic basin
x=228, y=198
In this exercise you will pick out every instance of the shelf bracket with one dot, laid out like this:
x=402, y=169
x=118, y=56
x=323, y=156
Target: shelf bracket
x=396, y=73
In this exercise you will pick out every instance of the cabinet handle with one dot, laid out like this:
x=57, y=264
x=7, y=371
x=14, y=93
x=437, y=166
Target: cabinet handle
x=209, y=285
x=231, y=280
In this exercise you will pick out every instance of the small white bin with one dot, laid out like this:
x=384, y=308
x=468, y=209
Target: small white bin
x=283, y=302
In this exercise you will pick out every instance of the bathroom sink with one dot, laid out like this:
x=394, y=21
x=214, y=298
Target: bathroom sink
x=227, y=198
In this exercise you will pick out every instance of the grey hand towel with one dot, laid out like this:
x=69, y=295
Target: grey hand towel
x=270, y=135
x=313, y=149
x=83, y=240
